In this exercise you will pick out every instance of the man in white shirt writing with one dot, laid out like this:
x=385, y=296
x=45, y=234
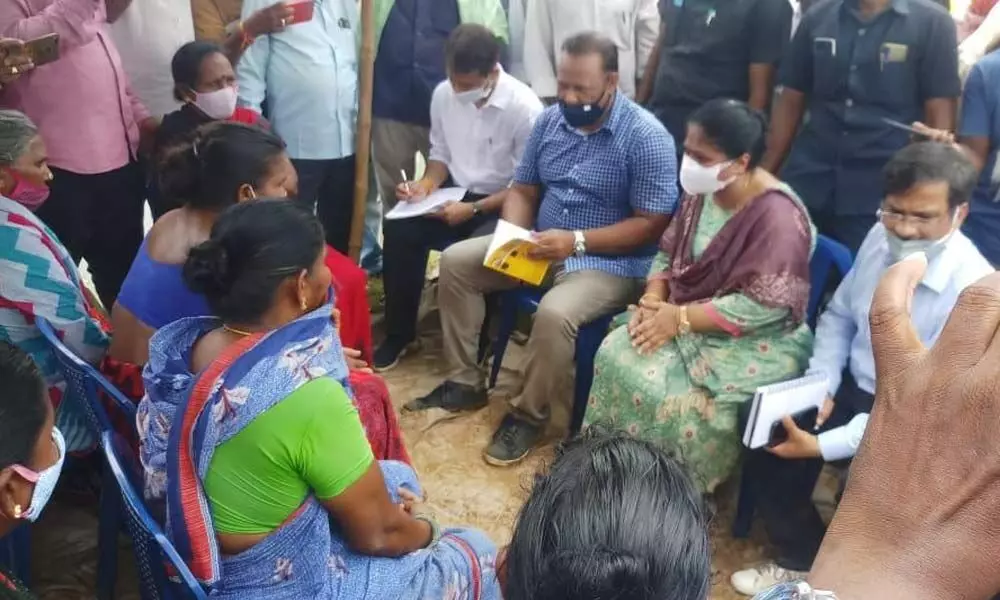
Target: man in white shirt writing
x=481, y=118
x=927, y=189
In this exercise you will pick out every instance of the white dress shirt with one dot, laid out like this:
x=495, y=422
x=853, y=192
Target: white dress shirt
x=633, y=25
x=482, y=146
x=148, y=34
x=843, y=334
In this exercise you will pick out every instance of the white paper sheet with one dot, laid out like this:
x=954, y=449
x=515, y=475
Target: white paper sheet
x=407, y=210
x=772, y=402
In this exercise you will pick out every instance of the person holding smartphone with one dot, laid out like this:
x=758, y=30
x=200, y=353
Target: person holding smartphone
x=927, y=190
x=93, y=125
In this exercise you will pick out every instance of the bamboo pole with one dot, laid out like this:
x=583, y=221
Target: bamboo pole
x=366, y=69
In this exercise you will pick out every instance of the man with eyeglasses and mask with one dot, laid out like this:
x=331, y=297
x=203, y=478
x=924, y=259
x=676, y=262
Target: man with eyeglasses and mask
x=927, y=188
x=596, y=184
x=481, y=118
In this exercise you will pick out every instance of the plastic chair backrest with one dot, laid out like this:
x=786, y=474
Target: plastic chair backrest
x=829, y=254
x=83, y=382
x=152, y=548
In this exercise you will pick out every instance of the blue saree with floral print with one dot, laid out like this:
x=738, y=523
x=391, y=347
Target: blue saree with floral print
x=186, y=416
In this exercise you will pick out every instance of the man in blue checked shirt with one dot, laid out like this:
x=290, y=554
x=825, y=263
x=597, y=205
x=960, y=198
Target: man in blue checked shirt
x=597, y=181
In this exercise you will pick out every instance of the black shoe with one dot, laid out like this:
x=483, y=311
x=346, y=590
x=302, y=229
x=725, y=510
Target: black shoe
x=512, y=442
x=389, y=353
x=451, y=396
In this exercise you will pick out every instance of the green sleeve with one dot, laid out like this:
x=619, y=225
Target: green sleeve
x=746, y=314
x=661, y=262
x=334, y=451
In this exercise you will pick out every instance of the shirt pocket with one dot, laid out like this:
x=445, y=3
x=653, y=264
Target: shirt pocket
x=617, y=20
x=826, y=72
x=896, y=66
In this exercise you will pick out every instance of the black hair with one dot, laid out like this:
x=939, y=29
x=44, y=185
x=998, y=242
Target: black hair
x=472, y=48
x=734, y=127
x=254, y=247
x=615, y=518
x=207, y=170
x=592, y=42
x=186, y=64
x=23, y=410
x=929, y=162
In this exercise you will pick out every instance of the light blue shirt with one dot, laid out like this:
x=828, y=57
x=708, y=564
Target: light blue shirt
x=843, y=334
x=309, y=76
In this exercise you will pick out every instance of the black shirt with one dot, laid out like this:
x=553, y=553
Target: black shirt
x=857, y=72
x=708, y=47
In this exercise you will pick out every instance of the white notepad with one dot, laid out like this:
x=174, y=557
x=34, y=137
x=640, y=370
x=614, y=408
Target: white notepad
x=423, y=206
x=772, y=402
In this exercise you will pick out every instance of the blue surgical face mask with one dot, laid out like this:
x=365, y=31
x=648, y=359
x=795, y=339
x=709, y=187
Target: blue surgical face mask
x=900, y=248
x=45, y=481
x=583, y=115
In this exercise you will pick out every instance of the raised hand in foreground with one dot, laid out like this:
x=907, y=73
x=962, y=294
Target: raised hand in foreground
x=921, y=514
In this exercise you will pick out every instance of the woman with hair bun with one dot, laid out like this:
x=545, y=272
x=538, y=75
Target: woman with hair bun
x=222, y=165
x=249, y=434
x=724, y=308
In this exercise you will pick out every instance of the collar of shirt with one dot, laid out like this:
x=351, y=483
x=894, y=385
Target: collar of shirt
x=502, y=93
x=941, y=270
x=610, y=123
x=898, y=6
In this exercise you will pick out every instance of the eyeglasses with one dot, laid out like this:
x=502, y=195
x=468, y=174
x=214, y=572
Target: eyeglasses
x=889, y=215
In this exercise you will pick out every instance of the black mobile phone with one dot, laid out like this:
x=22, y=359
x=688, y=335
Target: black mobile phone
x=915, y=134
x=43, y=50
x=805, y=419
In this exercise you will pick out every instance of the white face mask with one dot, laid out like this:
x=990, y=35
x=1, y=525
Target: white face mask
x=697, y=179
x=475, y=95
x=900, y=248
x=45, y=481
x=217, y=105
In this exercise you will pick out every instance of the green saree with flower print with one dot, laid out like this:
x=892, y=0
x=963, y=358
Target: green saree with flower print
x=749, y=270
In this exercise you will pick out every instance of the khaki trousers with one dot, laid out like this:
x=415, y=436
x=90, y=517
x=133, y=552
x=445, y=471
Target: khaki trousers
x=393, y=145
x=572, y=299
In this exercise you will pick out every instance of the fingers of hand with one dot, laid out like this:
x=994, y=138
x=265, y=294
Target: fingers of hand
x=352, y=352
x=825, y=412
x=894, y=340
x=408, y=496
x=973, y=325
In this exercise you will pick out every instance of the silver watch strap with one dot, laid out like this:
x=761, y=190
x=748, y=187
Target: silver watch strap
x=794, y=590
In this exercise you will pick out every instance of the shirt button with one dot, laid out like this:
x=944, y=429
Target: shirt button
x=565, y=211
x=861, y=31
x=849, y=103
x=854, y=67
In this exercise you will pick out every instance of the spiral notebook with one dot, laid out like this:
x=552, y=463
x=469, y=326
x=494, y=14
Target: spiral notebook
x=772, y=402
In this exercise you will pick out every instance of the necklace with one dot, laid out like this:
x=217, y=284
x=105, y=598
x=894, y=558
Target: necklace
x=238, y=332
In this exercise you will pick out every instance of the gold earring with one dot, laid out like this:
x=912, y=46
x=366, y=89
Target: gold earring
x=17, y=511
x=305, y=306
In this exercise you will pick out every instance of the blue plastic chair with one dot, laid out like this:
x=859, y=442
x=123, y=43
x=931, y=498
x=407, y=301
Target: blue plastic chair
x=153, y=551
x=588, y=340
x=83, y=385
x=830, y=257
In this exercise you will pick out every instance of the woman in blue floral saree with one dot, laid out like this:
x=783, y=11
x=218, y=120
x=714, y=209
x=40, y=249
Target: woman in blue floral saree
x=249, y=434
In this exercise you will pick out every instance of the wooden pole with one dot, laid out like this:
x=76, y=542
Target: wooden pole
x=366, y=76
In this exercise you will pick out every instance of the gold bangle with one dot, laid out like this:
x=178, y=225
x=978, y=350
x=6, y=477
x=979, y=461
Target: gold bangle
x=683, y=325
x=650, y=295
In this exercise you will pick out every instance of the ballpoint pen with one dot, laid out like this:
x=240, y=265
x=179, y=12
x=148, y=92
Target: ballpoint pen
x=406, y=181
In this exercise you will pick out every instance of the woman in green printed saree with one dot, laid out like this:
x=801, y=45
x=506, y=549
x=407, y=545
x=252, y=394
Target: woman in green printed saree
x=724, y=308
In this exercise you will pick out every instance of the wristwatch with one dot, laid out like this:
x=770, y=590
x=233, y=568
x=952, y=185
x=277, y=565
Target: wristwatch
x=579, y=243
x=683, y=325
x=476, y=209
x=435, y=528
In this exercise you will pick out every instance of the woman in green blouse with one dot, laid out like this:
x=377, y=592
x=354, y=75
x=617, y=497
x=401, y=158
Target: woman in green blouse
x=724, y=308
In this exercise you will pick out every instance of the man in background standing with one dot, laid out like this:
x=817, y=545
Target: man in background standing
x=308, y=74
x=630, y=24
x=861, y=68
x=148, y=33
x=709, y=49
x=92, y=125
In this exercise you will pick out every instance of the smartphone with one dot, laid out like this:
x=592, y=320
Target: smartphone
x=43, y=50
x=914, y=132
x=302, y=11
x=805, y=419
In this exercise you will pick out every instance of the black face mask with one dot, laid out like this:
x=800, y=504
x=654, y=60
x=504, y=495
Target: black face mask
x=584, y=114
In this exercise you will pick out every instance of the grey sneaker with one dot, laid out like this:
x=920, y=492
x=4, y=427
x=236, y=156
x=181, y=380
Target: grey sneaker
x=512, y=442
